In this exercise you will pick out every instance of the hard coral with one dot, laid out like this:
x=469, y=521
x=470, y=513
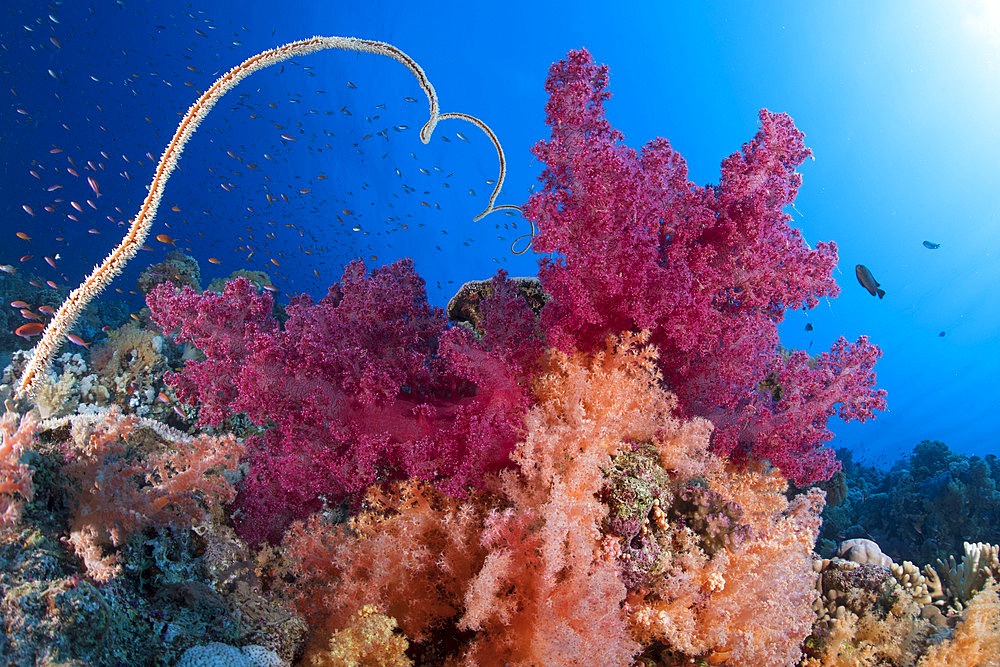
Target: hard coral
x=177, y=268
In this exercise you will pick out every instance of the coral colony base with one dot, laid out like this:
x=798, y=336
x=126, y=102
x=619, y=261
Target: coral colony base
x=588, y=468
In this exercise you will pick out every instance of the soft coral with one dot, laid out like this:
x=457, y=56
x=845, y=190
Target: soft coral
x=368, y=383
x=709, y=271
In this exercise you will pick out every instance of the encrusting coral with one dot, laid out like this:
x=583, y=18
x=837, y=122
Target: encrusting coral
x=178, y=268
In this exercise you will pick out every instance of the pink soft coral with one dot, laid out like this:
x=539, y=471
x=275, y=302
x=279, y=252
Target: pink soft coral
x=367, y=383
x=708, y=270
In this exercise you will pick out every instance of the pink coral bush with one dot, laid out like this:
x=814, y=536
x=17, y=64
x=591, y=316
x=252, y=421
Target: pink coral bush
x=369, y=383
x=710, y=271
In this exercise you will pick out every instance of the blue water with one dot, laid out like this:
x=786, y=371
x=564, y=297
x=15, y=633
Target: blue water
x=898, y=104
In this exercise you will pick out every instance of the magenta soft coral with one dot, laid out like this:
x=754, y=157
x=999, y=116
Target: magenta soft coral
x=369, y=383
x=709, y=271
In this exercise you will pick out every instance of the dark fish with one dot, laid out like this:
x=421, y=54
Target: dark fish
x=941, y=335
x=809, y=326
x=931, y=246
x=868, y=281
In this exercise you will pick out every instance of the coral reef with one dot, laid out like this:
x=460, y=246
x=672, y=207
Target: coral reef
x=592, y=470
x=864, y=617
x=923, y=509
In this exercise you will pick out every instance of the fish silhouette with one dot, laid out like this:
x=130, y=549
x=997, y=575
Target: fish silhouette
x=868, y=281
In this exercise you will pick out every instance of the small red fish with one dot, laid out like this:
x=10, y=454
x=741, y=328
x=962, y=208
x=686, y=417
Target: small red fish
x=18, y=304
x=29, y=330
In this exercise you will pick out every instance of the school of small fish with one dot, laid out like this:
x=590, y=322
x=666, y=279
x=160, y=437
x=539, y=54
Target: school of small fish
x=266, y=186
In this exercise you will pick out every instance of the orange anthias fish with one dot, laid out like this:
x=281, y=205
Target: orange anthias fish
x=76, y=340
x=27, y=331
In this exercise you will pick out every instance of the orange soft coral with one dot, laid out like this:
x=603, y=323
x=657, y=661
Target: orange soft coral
x=976, y=642
x=550, y=591
x=410, y=554
x=119, y=492
x=17, y=435
x=744, y=605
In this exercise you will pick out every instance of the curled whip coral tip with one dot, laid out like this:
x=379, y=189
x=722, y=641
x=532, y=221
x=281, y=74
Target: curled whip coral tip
x=102, y=275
